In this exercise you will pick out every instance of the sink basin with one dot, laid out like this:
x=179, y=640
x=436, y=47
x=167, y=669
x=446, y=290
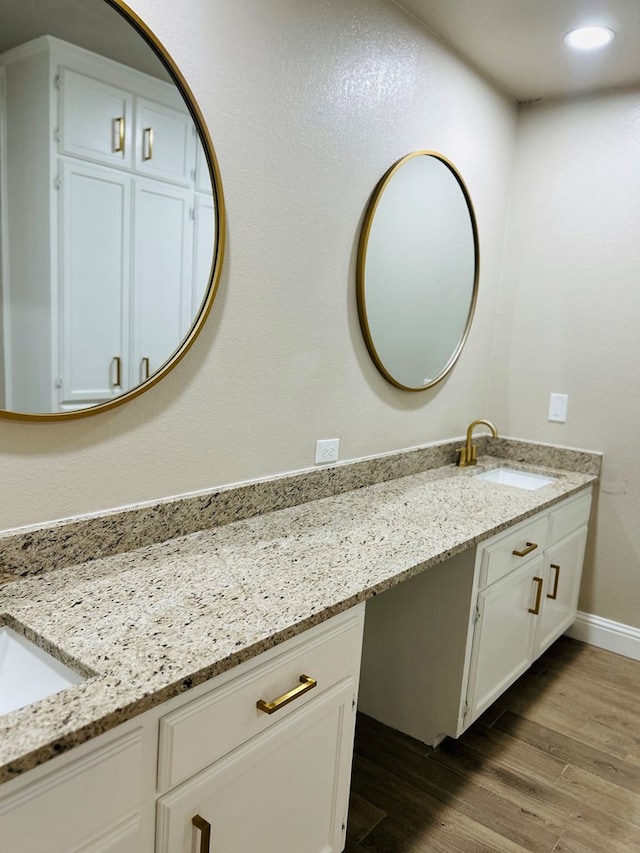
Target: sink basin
x=519, y=479
x=28, y=673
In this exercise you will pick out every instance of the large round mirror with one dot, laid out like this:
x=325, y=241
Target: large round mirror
x=417, y=273
x=111, y=209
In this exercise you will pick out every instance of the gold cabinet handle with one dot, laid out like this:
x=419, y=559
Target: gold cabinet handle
x=531, y=546
x=147, y=143
x=204, y=828
x=536, y=609
x=145, y=368
x=118, y=135
x=118, y=363
x=306, y=684
x=553, y=595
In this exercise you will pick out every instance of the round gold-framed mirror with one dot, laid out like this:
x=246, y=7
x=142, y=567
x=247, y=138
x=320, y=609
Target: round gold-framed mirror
x=417, y=270
x=112, y=217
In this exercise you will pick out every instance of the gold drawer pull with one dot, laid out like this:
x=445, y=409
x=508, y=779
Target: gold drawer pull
x=204, y=828
x=531, y=546
x=305, y=685
x=144, y=364
x=536, y=609
x=553, y=595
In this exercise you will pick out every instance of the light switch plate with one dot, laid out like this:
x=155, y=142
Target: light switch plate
x=327, y=450
x=558, y=407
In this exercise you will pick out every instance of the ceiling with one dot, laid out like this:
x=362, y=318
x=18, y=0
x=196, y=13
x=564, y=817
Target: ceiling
x=89, y=23
x=518, y=43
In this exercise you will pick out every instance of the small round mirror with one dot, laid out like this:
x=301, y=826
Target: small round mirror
x=417, y=274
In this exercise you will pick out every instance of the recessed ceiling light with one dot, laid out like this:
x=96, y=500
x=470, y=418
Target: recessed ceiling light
x=589, y=38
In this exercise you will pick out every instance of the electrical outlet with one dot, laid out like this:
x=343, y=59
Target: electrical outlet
x=327, y=450
x=558, y=407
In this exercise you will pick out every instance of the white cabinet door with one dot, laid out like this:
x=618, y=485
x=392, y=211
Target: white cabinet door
x=95, y=119
x=284, y=791
x=562, y=573
x=504, y=635
x=162, y=259
x=203, y=178
x=203, y=249
x=95, y=233
x=165, y=142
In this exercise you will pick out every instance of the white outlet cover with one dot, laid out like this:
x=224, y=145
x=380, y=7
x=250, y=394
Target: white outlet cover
x=327, y=450
x=558, y=404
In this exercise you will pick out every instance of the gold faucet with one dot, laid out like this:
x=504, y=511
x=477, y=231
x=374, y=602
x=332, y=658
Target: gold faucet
x=469, y=453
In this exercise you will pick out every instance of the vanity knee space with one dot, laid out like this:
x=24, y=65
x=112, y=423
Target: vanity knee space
x=441, y=647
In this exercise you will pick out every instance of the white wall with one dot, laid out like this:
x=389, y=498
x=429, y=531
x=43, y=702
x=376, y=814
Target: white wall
x=308, y=103
x=570, y=312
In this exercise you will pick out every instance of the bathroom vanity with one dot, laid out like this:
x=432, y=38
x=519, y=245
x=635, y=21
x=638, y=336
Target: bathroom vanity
x=211, y=763
x=440, y=648
x=227, y=661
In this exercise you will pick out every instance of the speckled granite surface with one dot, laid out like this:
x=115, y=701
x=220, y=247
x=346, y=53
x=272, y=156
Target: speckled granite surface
x=154, y=621
x=30, y=551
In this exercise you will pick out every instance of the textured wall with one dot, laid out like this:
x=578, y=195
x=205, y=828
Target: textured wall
x=568, y=319
x=308, y=103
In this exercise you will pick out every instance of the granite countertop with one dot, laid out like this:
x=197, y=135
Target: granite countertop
x=156, y=620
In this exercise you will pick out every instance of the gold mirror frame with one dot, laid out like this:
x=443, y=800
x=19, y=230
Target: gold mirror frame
x=216, y=266
x=361, y=268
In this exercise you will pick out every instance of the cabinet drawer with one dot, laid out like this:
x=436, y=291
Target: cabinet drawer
x=569, y=516
x=198, y=734
x=496, y=556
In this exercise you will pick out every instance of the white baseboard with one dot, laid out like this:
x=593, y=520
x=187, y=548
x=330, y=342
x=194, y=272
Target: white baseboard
x=606, y=634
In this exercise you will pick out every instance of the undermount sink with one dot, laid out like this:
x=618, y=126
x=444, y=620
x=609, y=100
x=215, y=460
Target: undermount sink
x=519, y=479
x=28, y=673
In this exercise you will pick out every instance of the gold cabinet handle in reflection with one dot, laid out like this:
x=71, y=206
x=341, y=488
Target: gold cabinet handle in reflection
x=147, y=144
x=204, y=828
x=531, y=546
x=145, y=367
x=118, y=135
x=553, y=595
x=118, y=363
x=536, y=609
x=306, y=684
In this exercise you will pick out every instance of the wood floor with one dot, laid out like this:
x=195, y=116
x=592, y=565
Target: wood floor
x=554, y=765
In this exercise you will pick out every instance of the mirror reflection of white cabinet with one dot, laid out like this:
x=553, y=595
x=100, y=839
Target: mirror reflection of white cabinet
x=106, y=226
x=95, y=280
x=96, y=119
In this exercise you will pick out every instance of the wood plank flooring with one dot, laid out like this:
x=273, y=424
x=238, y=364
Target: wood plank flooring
x=552, y=767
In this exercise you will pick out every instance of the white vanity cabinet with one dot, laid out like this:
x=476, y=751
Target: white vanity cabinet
x=503, y=645
x=275, y=780
x=531, y=600
x=442, y=646
x=93, y=803
x=239, y=778
x=562, y=570
x=106, y=226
